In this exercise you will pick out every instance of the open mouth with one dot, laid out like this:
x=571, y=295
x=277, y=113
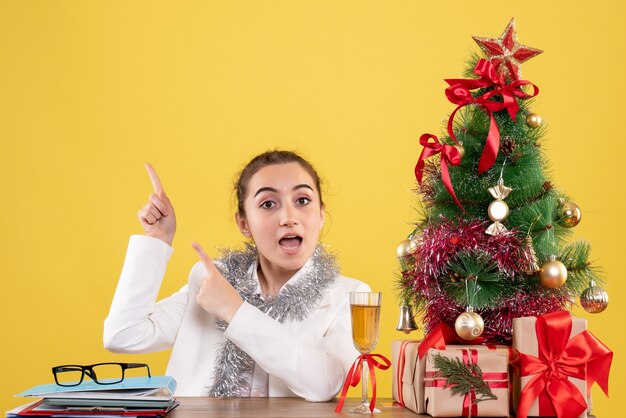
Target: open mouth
x=290, y=241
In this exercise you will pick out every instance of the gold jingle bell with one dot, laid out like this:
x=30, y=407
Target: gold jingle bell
x=469, y=325
x=553, y=273
x=533, y=266
x=406, y=322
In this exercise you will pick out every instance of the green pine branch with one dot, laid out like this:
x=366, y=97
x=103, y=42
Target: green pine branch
x=461, y=378
x=473, y=280
x=580, y=271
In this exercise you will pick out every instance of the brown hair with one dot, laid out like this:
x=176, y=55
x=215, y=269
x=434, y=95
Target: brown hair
x=273, y=157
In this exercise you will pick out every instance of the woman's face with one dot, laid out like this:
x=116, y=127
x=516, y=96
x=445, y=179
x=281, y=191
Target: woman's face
x=283, y=216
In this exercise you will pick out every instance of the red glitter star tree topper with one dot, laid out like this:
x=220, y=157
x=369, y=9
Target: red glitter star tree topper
x=505, y=53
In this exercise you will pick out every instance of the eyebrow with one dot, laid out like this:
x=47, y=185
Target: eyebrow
x=271, y=189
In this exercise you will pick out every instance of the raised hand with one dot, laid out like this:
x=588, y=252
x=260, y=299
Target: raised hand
x=216, y=296
x=157, y=217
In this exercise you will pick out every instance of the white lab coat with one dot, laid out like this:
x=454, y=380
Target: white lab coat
x=309, y=359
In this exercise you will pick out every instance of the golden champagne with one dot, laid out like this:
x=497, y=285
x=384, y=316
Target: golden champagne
x=365, y=320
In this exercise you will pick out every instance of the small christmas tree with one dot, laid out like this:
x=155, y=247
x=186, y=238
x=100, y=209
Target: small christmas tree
x=492, y=245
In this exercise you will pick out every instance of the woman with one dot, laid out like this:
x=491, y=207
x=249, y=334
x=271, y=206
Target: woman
x=270, y=320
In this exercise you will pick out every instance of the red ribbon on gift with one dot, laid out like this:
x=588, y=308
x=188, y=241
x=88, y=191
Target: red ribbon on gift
x=583, y=357
x=401, y=361
x=487, y=376
x=449, y=155
x=459, y=94
x=470, y=408
x=354, y=376
x=443, y=383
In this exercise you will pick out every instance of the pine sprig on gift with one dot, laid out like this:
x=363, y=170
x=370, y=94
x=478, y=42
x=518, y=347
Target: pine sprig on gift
x=461, y=378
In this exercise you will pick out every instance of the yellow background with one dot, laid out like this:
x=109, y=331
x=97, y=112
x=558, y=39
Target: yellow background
x=90, y=90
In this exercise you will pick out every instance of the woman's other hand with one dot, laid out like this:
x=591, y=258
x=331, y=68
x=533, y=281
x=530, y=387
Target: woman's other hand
x=216, y=296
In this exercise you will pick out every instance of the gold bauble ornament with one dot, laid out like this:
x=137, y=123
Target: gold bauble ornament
x=533, y=120
x=469, y=325
x=461, y=150
x=594, y=299
x=498, y=210
x=570, y=215
x=553, y=273
x=406, y=248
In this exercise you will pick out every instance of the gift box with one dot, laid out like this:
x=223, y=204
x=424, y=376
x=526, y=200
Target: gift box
x=557, y=352
x=492, y=373
x=408, y=368
x=408, y=371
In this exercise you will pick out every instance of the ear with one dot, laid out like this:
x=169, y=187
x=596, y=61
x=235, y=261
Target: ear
x=242, y=223
x=323, y=216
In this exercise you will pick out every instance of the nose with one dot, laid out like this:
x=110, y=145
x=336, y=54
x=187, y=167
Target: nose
x=288, y=215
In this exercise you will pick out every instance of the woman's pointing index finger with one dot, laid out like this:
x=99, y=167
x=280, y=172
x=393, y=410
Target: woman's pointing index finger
x=154, y=178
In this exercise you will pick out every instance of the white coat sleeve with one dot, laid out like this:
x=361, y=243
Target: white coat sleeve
x=136, y=322
x=314, y=372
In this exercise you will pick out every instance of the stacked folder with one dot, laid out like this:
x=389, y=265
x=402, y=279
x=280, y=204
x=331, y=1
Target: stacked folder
x=150, y=397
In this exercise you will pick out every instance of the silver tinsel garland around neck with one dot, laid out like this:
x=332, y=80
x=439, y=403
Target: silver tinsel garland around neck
x=233, y=367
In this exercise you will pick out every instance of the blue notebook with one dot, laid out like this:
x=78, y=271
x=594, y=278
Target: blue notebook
x=147, y=388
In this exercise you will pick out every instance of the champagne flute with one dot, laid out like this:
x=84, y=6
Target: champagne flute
x=365, y=313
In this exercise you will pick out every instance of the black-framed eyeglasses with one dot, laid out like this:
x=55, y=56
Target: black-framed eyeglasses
x=101, y=373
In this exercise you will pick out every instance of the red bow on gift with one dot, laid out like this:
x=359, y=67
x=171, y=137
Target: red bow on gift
x=583, y=357
x=449, y=155
x=459, y=94
x=354, y=376
x=441, y=335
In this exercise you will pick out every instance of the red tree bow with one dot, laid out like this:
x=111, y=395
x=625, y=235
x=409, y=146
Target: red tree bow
x=449, y=155
x=582, y=357
x=354, y=376
x=459, y=94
